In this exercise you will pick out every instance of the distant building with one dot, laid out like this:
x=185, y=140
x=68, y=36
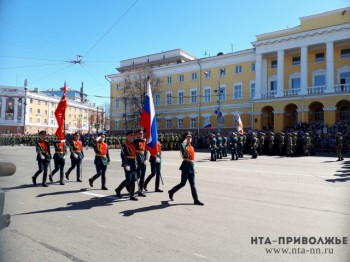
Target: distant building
x=299, y=74
x=31, y=111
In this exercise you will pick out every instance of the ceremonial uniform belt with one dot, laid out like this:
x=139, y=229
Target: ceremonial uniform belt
x=140, y=152
x=77, y=151
x=187, y=159
x=60, y=152
x=101, y=155
x=130, y=157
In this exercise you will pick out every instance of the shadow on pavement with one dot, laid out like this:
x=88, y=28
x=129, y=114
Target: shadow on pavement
x=62, y=192
x=163, y=204
x=342, y=175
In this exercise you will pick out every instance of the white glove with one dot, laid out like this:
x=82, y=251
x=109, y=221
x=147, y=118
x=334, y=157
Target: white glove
x=75, y=156
x=42, y=157
x=127, y=168
x=157, y=160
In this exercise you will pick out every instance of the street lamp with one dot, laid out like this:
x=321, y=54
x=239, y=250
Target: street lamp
x=219, y=91
x=25, y=105
x=125, y=119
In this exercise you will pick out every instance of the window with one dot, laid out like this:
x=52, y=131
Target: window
x=31, y=101
x=345, y=53
x=38, y=120
x=157, y=100
x=158, y=82
x=207, y=95
x=168, y=123
x=274, y=64
x=238, y=69
x=194, y=76
x=168, y=99
x=117, y=103
x=319, y=57
x=207, y=74
x=38, y=102
x=30, y=110
x=238, y=91
x=180, y=123
x=206, y=120
x=193, y=96
x=45, y=112
x=296, y=83
x=45, y=121
x=180, y=100
x=181, y=78
x=30, y=120
x=38, y=111
x=52, y=122
x=193, y=122
x=117, y=87
x=221, y=93
x=273, y=87
x=296, y=60
x=252, y=90
x=252, y=67
x=222, y=71
x=168, y=80
x=319, y=80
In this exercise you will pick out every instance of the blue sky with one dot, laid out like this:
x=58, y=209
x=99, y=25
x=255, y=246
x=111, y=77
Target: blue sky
x=37, y=37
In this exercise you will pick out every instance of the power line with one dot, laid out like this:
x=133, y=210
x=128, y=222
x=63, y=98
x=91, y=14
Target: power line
x=110, y=29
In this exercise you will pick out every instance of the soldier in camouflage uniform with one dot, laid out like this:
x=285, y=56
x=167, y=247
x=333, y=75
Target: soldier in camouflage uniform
x=224, y=146
x=213, y=148
x=218, y=146
x=289, y=145
x=271, y=140
x=261, y=142
x=339, y=142
x=281, y=140
x=254, y=146
x=240, y=145
x=233, y=146
x=307, y=144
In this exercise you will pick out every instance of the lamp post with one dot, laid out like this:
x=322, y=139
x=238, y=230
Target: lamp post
x=25, y=105
x=219, y=91
x=125, y=119
x=96, y=120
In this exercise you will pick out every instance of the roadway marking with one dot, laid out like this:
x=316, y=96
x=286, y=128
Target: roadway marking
x=21, y=203
x=201, y=256
x=139, y=237
x=101, y=226
x=99, y=195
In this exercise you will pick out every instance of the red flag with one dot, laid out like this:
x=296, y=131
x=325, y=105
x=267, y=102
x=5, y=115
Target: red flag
x=60, y=114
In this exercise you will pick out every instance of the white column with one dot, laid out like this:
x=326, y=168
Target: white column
x=264, y=85
x=258, y=76
x=280, y=73
x=15, y=110
x=3, y=108
x=329, y=68
x=303, y=70
x=23, y=108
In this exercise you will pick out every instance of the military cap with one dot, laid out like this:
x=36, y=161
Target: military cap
x=339, y=134
x=186, y=134
x=42, y=132
x=129, y=132
x=76, y=134
x=140, y=130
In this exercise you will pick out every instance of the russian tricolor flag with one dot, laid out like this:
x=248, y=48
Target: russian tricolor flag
x=148, y=120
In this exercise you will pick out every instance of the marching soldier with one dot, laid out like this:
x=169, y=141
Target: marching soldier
x=233, y=145
x=59, y=159
x=261, y=142
x=128, y=155
x=224, y=146
x=339, y=144
x=187, y=169
x=254, y=146
x=101, y=161
x=76, y=157
x=155, y=160
x=240, y=145
x=43, y=157
x=213, y=148
x=141, y=158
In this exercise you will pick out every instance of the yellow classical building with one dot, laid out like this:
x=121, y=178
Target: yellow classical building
x=296, y=75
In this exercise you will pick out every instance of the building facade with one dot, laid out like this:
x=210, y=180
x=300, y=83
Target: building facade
x=292, y=76
x=29, y=111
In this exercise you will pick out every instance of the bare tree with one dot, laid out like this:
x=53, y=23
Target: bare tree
x=135, y=91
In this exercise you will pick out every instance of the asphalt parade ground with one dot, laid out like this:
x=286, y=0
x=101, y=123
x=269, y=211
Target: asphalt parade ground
x=267, y=209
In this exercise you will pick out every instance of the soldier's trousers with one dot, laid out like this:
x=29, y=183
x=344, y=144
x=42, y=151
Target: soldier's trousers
x=234, y=154
x=43, y=165
x=155, y=171
x=75, y=163
x=59, y=165
x=129, y=182
x=213, y=155
x=141, y=172
x=101, y=172
x=184, y=177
